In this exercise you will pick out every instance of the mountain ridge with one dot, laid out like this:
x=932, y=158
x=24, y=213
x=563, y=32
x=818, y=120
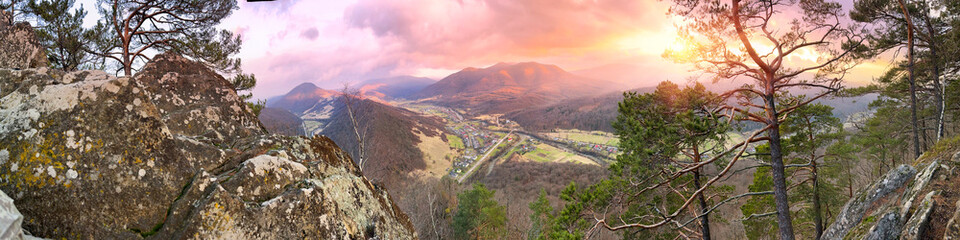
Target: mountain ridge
x=505, y=87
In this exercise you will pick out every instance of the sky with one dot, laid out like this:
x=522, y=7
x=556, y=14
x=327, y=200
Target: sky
x=329, y=43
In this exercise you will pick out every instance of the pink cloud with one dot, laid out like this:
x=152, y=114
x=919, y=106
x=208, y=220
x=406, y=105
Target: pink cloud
x=332, y=42
x=445, y=33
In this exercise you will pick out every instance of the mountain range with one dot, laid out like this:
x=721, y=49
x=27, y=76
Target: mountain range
x=390, y=88
x=584, y=113
x=396, y=132
x=504, y=87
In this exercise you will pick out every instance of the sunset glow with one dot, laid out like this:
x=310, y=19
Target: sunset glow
x=351, y=41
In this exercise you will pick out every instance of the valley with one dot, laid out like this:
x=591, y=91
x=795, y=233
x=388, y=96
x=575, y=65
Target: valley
x=485, y=140
x=500, y=126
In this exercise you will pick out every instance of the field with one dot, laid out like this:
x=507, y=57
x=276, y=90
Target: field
x=547, y=153
x=437, y=155
x=597, y=137
x=454, y=141
x=424, y=109
x=733, y=138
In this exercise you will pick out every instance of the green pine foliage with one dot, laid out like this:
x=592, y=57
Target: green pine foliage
x=60, y=31
x=541, y=217
x=816, y=147
x=661, y=133
x=478, y=215
x=759, y=227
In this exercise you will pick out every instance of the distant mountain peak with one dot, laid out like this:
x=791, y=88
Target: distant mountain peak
x=304, y=87
x=522, y=65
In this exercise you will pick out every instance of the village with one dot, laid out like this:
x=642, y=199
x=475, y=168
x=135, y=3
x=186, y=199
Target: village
x=492, y=138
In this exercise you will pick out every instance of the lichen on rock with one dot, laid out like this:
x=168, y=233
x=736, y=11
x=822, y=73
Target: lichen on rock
x=853, y=212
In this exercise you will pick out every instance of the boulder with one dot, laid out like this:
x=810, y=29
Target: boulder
x=10, y=218
x=73, y=140
x=853, y=211
x=194, y=100
x=171, y=154
x=309, y=188
x=19, y=47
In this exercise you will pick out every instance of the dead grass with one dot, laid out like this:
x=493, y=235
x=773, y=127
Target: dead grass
x=943, y=150
x=435, y=155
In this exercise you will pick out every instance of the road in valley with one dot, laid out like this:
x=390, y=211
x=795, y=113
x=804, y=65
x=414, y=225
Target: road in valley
x=481, y=159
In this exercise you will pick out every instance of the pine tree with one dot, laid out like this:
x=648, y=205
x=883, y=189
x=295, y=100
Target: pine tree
x=478, y=215
x=60, y=31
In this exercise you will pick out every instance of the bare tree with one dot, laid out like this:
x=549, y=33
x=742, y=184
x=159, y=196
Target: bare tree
x=353, y=101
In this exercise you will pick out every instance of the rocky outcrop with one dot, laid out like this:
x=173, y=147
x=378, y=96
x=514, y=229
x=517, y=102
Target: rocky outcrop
x=19, y=47
x=853, y=212
x=886, y=228
x=902, y=205
x=172, y=153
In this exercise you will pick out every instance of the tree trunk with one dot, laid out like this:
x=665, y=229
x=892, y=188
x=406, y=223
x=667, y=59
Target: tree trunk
x=705, y=219
x=939, y=89
x=924, y=138
x=784, y=221
x=768, y=81
x=817, y=217
x=353, y=101
x=849, y=183
x=913, y=83
x=127, y=63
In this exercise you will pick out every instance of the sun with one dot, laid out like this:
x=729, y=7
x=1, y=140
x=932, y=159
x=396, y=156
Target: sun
x=680, y=50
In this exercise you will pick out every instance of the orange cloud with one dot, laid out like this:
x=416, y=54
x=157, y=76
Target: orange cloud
x=331, y=42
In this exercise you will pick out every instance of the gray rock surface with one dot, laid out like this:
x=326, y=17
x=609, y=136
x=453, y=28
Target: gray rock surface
x=91, y=156
x=916, y=201
x=917, y=224
x=887, y=227
x=918, y=184
x=853, y=211
x=196, y=101
x=10, y=218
